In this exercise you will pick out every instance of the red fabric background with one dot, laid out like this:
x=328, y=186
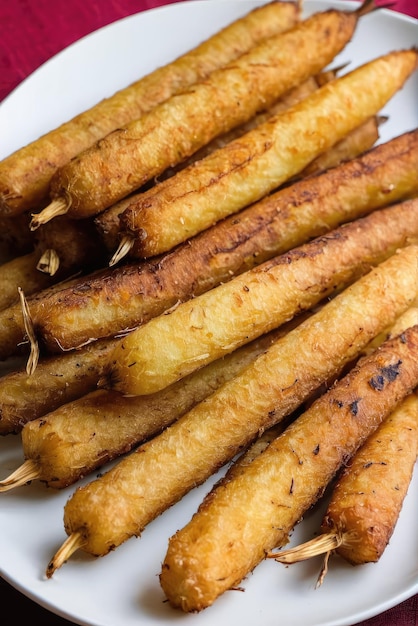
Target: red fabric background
x=34, y=30
x=31, y=31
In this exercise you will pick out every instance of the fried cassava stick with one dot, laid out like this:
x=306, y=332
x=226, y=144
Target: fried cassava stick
x=127, y=158
x=13, y=334
x=352, y=145
x=61, y=379
x=80, y=436
x=393, y=451
x=367, y=499
x=249, y=515
x=107, y=222
x=106, y=512
x=125, y=297
x=218, y=321
x=26, y=174
x=259, y=162
x=55, y=381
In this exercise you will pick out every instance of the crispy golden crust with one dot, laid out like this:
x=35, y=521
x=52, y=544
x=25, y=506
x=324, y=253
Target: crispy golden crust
x=202, y=329
x=25, y=175
x=351, y=146
x=291, y=97
x=130, y=156
x=81, y=436
x=125, y=297
x=368, y=496
x=119, y=504
x=250, y=167
x=250, y=515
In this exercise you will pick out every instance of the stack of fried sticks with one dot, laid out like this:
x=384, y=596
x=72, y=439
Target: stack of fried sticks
x=217, y=259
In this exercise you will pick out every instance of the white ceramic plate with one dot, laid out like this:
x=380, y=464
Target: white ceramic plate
x=122, y=589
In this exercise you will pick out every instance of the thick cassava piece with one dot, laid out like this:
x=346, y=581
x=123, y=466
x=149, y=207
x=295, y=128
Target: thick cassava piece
x=255, y=512
x=129, y=157
x=55, y=381
x=80, y=436
x=367, y=499
x=106, y=512
x=125, y=297
x=213, y=324
x=257, y=163
x=26, y=174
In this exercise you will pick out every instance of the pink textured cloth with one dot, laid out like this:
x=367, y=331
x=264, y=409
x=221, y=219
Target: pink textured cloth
x=32, y=32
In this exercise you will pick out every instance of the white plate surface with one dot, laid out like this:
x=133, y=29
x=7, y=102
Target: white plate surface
x=122, y=589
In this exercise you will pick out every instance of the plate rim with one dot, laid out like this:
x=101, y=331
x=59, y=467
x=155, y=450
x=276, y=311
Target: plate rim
x=33, y=595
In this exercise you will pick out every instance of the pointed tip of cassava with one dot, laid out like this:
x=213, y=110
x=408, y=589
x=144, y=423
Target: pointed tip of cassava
x=319, y=545
x=123, y=250
x=28, y=471
x=30, y=333
x=58, y=206
x=49, y=262
x=73, y=543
